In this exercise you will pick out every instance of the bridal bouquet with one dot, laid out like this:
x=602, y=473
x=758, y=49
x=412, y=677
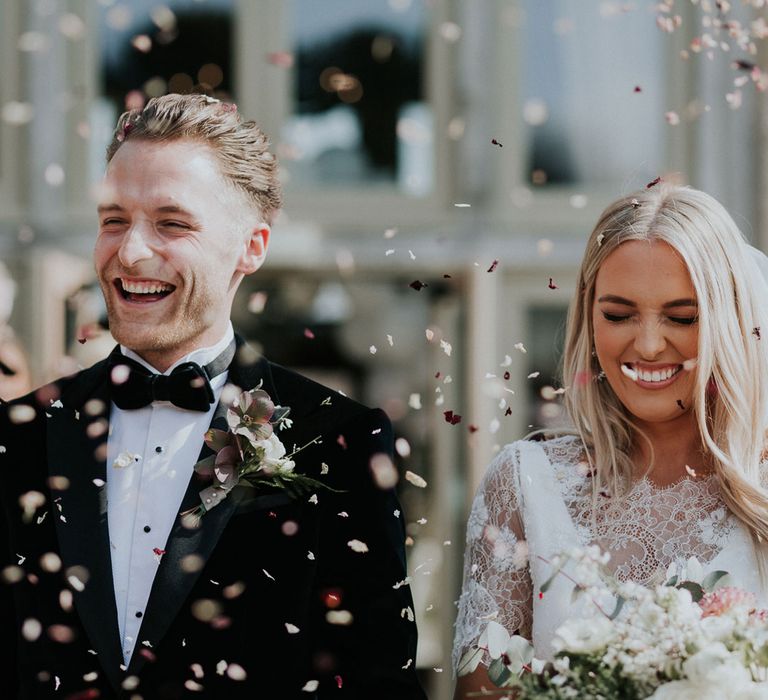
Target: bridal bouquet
x=692, y=638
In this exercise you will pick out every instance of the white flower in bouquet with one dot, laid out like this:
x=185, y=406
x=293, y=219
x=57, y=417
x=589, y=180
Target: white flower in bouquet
x=713, y=672
x=684, y=640
x=584, y=635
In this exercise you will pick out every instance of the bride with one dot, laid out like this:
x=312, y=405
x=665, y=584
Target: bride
x=666, y=374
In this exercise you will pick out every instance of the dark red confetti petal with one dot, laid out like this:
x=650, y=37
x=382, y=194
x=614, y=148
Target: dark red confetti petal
x=551, y=284
x=418, y=285
x=638, y=88
x=508, y=412
x=339, y=681
x=493, y=266
x=451, y=417
x=158, y=551
x=446, y=277
x=507, y=375
x=541, y=595
x=653, y=183
x=756, y=332
x=744, y=65
x=472, y=428
x=497, y=143
x=341, y=440
x=309, y=334
x=437, y=375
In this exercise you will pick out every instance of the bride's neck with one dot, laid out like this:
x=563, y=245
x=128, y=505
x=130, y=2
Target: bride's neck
x=675, y=447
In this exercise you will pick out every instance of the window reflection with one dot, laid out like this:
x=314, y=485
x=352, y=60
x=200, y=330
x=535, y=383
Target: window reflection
x=593, y=92
x=149, y=50
x=359, y=113
x=546, y=337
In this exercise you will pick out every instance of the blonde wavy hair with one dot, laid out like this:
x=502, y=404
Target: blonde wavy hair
x=733, y=417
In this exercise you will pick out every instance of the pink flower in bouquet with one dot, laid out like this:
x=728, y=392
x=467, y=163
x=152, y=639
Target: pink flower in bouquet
x=721, y=600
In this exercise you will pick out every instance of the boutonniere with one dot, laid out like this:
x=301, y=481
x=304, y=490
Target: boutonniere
x=249, y=454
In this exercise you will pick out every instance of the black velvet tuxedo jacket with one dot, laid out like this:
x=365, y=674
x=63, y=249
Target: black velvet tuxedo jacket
x=229, y=595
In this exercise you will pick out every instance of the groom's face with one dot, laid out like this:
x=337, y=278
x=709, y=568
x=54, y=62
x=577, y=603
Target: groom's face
x=175, y=240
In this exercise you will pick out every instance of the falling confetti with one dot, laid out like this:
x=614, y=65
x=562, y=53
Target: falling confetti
x=551, y=284
x=418, y=285
x=357, y=546
x=451, y=417
x=415, y=479
x=493, y=266
x=125, y=459
x=497, y=143
x=653, y=183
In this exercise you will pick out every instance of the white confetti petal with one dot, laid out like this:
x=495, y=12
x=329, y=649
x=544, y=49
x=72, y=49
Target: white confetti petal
x=291, y=629
x=357, y=546
x=415, y=479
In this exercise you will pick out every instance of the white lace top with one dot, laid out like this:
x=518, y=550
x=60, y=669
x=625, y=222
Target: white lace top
x=536, y=501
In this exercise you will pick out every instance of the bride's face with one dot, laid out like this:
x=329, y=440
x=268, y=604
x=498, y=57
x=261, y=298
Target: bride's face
x=646, y=326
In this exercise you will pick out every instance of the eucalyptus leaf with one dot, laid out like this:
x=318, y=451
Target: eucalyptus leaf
x=498, y=673
x=711, y=580
x=617, y=609
x=470, y=660
x=519, y=653
x=697, y=592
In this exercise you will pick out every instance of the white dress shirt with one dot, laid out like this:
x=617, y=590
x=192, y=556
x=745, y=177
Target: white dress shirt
x=163, y=443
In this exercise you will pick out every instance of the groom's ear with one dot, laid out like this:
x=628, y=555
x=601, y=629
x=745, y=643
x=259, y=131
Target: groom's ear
x=255, y=249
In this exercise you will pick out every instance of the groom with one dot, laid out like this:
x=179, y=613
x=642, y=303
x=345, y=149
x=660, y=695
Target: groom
x=105, y=589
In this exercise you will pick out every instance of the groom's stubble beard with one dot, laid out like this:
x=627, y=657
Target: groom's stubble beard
x=196, y=309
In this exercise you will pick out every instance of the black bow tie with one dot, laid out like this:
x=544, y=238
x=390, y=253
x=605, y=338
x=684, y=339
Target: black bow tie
x=187, y=386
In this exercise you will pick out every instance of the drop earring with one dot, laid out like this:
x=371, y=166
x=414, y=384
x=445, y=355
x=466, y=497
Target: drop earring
x=600, y=375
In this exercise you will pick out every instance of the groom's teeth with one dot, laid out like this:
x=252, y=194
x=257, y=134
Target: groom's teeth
x=145, y=287
x=629, y=372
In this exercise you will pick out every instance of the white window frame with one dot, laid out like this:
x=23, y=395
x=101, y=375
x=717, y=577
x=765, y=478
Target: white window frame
x=264, y=94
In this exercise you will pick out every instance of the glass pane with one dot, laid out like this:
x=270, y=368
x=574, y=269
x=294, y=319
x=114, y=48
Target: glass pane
x=593, y=93
x=359, y=115
x=546, y=336
x=150, y=49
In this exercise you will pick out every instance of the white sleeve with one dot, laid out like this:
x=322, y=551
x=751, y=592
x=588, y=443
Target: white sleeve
x=497, y=582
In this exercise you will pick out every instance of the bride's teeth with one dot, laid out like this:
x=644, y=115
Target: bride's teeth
x=629, y=372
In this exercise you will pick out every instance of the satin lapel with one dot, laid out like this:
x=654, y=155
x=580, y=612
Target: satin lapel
x=76, y=447
x=188, y=549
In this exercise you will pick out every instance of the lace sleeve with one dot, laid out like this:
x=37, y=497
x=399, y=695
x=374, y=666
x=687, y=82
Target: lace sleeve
x=497, y=582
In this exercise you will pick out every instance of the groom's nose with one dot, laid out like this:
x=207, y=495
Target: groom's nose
x=134, y=246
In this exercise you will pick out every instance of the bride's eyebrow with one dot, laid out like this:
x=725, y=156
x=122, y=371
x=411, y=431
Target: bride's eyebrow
x=614, y=299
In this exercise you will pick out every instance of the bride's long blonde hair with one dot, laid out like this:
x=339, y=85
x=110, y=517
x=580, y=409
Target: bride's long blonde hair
x=730, y=400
